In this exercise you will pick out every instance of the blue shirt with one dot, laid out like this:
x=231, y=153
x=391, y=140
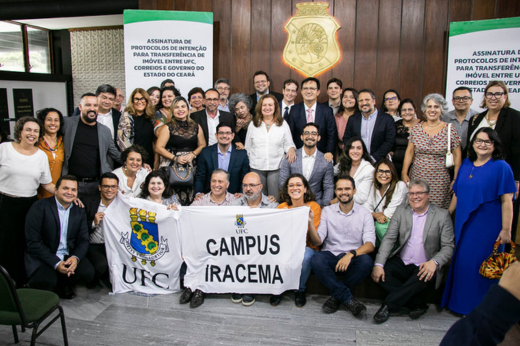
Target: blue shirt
x=64, y=226
x=367, y=128
x=223, y=158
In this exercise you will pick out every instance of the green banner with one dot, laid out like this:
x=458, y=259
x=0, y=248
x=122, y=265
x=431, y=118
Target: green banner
x=459, y=28
x=134, y=16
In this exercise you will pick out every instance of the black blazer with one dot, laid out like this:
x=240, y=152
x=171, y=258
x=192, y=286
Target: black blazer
x=207, y=162
x=116, y=115
x=200, y=118
x=508, y=129
x=254, y=101
x=297, y=119
x=383, y=136
x=91, y=207
x=42, y=233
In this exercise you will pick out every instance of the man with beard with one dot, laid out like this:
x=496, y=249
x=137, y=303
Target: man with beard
x=254, y=198
x=312, y=164
x=224, y=89
x=87, y=147
x=347, y=235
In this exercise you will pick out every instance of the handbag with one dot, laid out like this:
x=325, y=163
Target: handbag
x=449, y=155
x=180, y=175
x=496, y=263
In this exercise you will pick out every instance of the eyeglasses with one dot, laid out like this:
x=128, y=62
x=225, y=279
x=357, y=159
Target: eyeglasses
x=249, y=186
x=310, y=133
x=381, y=172
x=109, y=187
x=463, y=99
x=403, y=110
x=418, y=194
x=391, y=98
x=227, y=133
x=487, y=142
x=223, y=88
x=295, y=185
x=309, y=89
x=137, y=100
x=497, y=95
x=194, y=97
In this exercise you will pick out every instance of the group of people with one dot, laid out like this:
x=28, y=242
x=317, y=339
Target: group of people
x=377, y=182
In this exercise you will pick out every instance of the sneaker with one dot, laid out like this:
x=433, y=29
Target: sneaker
x=186, y=296
x=197, y=299
x=331, y=305
x=356, y=306
x=248, y=299
x=236, y=298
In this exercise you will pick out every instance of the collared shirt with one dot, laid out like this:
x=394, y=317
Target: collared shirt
x=223, y=158
x=340, y=232
x=462, y=129
x=212, y=127
x=106, y=119
x=284, y=107
x=258, y=95
x=207, y=201
x=98, y=234
x=313, y=112
x=308, y=163
x=223, y=108
x=64, y=227
x=334, y=108
x=264, y=203
x=367, y=128
x=413, y=251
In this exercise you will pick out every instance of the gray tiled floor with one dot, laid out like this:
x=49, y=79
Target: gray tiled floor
x=96, y=318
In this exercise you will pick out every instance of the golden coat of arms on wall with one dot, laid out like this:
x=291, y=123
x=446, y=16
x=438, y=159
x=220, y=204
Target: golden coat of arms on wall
x=312, y=46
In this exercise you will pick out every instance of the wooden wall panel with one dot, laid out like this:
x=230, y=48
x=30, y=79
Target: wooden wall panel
x=240, y=62
x=280, y=12
x=508, y=8
x=260, y=39
x=483, y=9
x=222, y=40
x=345, y=13
x=366, y=44
x=460, y=10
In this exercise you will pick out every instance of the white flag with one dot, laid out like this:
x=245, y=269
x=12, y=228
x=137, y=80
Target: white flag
x=242, y=249
x=142, y=243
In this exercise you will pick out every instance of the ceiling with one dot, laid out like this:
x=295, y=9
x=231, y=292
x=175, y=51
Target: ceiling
x=75, y=22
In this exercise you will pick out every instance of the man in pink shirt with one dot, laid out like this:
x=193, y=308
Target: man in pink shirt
x=424, y=233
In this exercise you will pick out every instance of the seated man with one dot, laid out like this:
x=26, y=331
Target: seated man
x=57, y=241
x=95, y=208
x=347, y=234
x=223, y=155
x=406, y=270
x=254, y=198
x=217, y=197
x=312, y=164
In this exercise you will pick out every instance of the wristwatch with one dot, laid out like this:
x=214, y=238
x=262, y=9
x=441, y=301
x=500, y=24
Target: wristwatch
x=353, y=252
x=194, y=156
x=435, y=261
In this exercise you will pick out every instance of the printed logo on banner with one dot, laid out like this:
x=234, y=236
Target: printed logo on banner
x=240, y=221
x=143, y=241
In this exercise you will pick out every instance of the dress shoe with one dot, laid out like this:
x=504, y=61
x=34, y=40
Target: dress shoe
x=299, y=299
x=248, y=299
x=331, y=305
x=186, y=296
x=356, y=307
x=382, y=314
x=418, y=312
x=197, y=299
x=66, y=292
x=275, y=300
x=93, y=284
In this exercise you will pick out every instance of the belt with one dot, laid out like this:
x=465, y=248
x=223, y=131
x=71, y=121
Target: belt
x=8, y=195
x=87, y=180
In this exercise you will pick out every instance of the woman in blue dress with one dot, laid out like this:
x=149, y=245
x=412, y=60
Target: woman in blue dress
x=483, y=199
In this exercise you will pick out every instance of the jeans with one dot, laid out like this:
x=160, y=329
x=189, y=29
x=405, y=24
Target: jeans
x=306, y=268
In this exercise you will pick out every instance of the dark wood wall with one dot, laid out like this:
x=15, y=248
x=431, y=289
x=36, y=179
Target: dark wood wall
x=386, y=44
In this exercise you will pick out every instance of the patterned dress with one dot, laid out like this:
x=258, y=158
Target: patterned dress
x=430, y=162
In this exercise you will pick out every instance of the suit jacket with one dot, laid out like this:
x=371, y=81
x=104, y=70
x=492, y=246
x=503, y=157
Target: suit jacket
x=278, y=96
x=116, y=115
x=383, y=136
x=508, y=129
x=201, y=119
x=106, y=144
x=321, y=180
x=42, y=233
x=297, y=119
x=91, y=206
x=207, y=162
x=438, y=237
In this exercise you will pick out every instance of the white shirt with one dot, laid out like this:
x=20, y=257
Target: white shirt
x=363, y=178
x=212, y=128
x=98, y=234
x=308, y=163
x=21, y=175
x=483, y=123
x=398, y=198
x=313, y=111
x=135, y=190
x=265, y=149
x=106, y=119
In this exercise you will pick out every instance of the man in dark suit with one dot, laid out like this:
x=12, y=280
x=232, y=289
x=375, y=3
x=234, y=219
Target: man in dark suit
x=262, y=83
x=424, y=237
x=310, y=111
x=312, y=164
x=376, y=129
x=210, y=117
x=87, y=147
x=223, y=155
x=57, y=241
x=290, y=91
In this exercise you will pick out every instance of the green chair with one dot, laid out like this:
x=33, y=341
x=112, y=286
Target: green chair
x=28, y=308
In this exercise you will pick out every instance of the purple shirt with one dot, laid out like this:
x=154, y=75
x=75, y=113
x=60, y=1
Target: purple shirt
x=340, y=232
x=413, y=251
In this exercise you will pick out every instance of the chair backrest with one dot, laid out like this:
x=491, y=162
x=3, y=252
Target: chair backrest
x=8, y=298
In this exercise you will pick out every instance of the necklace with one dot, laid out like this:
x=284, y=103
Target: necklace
x=433, y=125
x=53, y=150
x=471, y=174
x=491, y=123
